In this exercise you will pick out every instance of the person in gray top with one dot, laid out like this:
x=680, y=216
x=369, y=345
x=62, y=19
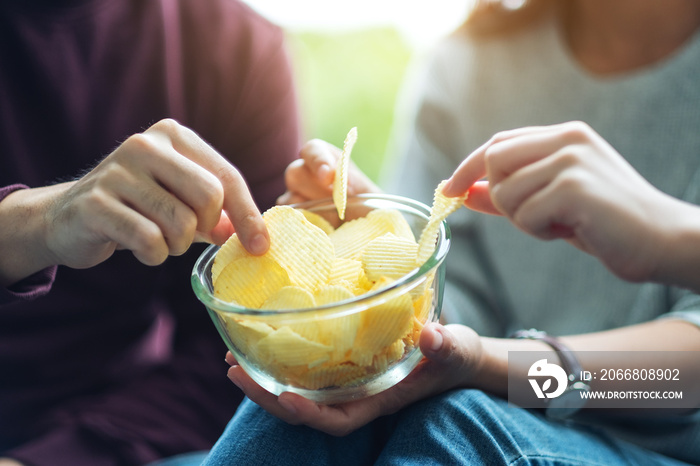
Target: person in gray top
x=628, y=69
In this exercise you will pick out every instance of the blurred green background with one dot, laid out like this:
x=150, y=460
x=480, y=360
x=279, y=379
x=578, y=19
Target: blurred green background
x=350, y=79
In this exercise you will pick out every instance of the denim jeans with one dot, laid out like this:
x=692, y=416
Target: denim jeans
x=459, y=427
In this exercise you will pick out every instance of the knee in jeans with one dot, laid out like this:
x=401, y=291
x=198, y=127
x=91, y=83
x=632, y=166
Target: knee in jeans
x=466, y=408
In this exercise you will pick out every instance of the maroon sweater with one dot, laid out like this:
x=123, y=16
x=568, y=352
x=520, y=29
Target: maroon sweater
x=119, y=364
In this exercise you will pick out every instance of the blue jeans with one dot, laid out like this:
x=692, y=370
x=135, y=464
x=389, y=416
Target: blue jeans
x=458, y=427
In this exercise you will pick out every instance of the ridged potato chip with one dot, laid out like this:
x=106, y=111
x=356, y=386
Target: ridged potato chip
x=340, y=182
x=317, y=220
x=246, y=333
x=345, y=270
x=336, y=375
x=351, y=238
x=249, y=281
x=289, y=297
x=301, y=248
x=442, y=207
x=286, y=347
x=388, y=355
x=389, y=256
x=330, y=294
x=381, y=326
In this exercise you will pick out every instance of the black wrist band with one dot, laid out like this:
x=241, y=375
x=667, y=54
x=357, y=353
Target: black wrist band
x=571, y=400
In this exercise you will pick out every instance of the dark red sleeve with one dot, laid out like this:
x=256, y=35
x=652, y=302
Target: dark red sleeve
x=33, y=286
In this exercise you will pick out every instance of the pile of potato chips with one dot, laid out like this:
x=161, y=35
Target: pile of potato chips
x=311, y=264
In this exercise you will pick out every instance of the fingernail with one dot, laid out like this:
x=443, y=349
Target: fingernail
x=446, y=189
x=259, y=244
x=323, y=172
x=286, y=404
x=437, y=342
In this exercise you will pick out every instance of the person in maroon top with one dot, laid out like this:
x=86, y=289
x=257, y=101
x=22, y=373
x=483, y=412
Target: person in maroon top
x=106, y=357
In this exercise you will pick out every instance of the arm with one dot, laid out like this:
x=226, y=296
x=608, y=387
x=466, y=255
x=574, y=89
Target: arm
x=455, y=356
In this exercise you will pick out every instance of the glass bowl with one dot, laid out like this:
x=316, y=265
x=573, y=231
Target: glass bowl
x=361, y=362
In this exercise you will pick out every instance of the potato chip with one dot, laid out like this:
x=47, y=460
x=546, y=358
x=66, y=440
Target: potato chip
x=289, y=297
x=395, y=222
x=389, y=256
x=338, y=332
x=286, y=347
x=245, y=334
x=388, y=355
x=381, y=326
x=332, y=294
x=423, y=304
x=317, y=220
x=348, y=270
x=249, y=281
x=340, y=182
x=302, y=249
x=326, y=376
x=442, y=207
x=231, y=250
x=351, y=238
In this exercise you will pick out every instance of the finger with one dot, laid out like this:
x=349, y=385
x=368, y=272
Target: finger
x=176, y=220
x=321, y=158
x=480, y=199
x=512, y=191
x=467, y=173
x=129, y=229
x=504, y=158
x=473, y=168
x=449, y=345
x=231, y=359
x=189, y=182
x=528, y=145
x=237, y=200
x=337, y=420
x=301, y=181
x=291, y=198
x=219, y=234
x=547, y=214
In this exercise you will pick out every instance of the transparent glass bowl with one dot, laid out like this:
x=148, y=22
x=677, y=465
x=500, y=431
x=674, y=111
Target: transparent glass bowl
x=368, y=371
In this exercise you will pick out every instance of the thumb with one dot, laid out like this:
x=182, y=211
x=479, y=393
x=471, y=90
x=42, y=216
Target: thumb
x=452, y=345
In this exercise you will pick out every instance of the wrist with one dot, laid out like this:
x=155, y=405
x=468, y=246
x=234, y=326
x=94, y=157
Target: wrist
x=23, y=245
x=492, y=372
x=680, y=261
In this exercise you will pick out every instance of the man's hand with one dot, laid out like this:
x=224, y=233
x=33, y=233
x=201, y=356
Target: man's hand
x=453, y=357
x=154, y=195
x=311, y=176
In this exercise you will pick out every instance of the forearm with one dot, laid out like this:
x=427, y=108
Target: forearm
x=23, y=250
x=593, y=350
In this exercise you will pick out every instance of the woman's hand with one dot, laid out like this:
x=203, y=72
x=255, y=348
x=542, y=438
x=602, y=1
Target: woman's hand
x=311, y=176
x=453, y=358
x=565, y=181
x=154, y=195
